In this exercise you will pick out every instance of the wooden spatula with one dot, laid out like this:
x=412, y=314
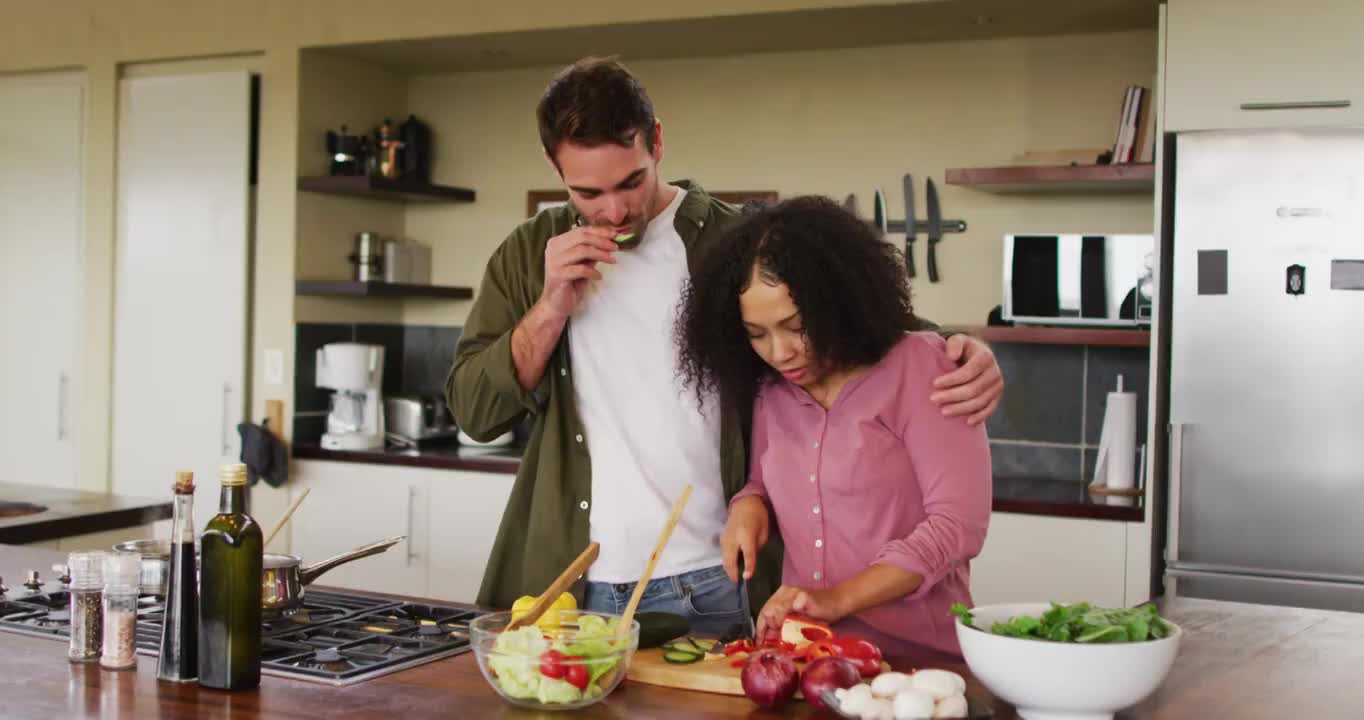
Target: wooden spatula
x=557, y=588
x=629, y=616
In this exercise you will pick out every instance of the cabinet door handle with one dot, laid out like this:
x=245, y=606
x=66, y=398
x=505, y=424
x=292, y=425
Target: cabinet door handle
x=411, y=506
x=61, y=406
x=1296, y=105
x=227, y=444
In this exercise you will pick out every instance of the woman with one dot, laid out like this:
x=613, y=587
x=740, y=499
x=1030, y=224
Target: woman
x=881, y=500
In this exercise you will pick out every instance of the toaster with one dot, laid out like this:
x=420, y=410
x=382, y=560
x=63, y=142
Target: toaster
x=419, y=420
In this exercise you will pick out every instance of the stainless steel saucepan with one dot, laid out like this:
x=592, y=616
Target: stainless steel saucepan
x=282, y=587
x=283, y=579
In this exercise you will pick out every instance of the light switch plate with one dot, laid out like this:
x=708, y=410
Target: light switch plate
x=274, y=367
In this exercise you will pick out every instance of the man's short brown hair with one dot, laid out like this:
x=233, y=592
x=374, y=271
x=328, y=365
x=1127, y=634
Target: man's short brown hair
x=592, y=102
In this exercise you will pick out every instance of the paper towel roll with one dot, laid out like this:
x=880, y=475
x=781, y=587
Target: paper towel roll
x=1114, y=466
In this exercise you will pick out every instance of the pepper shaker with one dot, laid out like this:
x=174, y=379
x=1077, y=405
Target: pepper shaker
x=87, y=613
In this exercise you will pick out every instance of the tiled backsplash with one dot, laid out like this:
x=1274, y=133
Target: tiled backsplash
x=1048, y=424
x=417, y=359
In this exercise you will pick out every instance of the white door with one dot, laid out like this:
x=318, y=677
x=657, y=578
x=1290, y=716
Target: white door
x=180, y=308
x=41, y=206
x=352, y=505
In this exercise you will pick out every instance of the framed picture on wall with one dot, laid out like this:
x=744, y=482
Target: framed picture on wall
x=537, y=200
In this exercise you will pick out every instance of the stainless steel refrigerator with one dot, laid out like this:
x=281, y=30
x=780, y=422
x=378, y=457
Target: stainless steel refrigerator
x=1266, y=368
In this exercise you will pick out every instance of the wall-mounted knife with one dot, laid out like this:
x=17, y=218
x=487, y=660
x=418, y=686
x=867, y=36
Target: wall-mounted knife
x=934, y=231
x=909, y=222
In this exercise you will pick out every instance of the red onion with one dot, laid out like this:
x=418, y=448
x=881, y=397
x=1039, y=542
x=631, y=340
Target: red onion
x=829, y=673
x=770, y=678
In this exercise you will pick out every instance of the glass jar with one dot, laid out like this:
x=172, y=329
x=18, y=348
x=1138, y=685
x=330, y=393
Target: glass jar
x=87, y=591
x=122, y=571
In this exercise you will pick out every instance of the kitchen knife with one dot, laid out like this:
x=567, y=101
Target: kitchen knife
x=934, y=231
x=878, y=212
x=910, y=229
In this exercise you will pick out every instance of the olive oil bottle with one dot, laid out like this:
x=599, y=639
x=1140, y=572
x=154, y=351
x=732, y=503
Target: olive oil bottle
x=230, y=591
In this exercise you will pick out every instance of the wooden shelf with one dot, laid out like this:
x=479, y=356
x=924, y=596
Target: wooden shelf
x=380, y=188
x=1132, y=178
x=1035, y=335
x=355, y=288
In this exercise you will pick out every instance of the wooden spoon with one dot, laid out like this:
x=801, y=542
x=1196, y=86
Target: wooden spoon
x=287, y=514
x=629, y=616
x=560, y=584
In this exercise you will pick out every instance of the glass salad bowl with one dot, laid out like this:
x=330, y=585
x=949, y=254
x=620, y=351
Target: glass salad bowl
x=572, y=663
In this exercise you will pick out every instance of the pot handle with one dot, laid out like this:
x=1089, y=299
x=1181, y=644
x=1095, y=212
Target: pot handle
x=311, y=573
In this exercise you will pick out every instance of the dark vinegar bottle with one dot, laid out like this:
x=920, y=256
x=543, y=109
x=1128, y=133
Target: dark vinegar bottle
x=179, y=658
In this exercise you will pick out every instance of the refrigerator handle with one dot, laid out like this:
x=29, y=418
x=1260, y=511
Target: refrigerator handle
x=1175, y=496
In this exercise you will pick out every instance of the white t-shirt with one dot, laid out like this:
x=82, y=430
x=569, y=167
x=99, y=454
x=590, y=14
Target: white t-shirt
x=646, y=437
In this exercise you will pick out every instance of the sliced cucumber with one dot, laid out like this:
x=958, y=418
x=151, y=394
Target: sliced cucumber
x=705, y=645
x=680, y=657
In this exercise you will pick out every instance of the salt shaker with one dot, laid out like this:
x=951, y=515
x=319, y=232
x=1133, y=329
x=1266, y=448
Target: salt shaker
x=122, y=571
x=87, y=590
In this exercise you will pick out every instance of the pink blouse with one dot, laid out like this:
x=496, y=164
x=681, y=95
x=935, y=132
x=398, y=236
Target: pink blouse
x=882, y=477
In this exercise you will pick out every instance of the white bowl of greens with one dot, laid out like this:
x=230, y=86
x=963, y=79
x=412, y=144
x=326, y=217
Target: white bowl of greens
x=1067, y=661
x=571, y=664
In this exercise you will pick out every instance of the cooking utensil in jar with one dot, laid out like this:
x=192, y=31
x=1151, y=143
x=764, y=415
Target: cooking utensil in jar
x=629, y=615
x=284, y=577
x=574, y=570
x=287, y=514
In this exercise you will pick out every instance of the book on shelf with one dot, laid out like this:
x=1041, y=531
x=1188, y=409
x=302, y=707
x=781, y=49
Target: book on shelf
x=1132, y=142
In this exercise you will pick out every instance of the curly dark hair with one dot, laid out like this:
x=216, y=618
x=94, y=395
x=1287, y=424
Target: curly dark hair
x=847, y=282
x=592, y=102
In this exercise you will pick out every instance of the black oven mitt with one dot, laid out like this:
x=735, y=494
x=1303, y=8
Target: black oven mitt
x=264, y=455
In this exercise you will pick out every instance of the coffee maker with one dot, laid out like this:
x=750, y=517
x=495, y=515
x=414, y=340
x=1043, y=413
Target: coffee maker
x=355, y=371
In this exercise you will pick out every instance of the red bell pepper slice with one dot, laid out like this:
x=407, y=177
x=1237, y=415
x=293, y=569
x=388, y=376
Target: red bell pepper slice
x=865, y=655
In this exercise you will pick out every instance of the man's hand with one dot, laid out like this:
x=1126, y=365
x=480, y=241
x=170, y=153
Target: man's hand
x=823, y=605
x=745, y=532
x=975, y=387
x=570, y=264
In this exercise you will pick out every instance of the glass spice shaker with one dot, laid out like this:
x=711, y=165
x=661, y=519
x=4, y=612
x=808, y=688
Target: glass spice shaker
x=87, y=590
x=122, y=571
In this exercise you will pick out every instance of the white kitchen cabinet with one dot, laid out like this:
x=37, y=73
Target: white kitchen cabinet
x=1037, y=558
x=1222, y=54
x=180, y=308
x=466, y=509
x=42, y=140
x=353, y=504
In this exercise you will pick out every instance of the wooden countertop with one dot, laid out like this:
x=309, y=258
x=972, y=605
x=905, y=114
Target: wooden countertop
x=1237, y=661
x=73, y=512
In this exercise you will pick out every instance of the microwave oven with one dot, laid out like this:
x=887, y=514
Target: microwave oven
x=1078, y=279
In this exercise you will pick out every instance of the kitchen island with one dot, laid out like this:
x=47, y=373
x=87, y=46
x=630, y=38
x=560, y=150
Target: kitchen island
x=32, y=513
x=1237, y=661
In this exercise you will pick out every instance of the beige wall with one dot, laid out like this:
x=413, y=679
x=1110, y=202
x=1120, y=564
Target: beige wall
x=100, y=37
x=878, y=113
x=830, y=122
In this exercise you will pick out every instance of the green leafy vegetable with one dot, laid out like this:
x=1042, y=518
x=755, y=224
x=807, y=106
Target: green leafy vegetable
x=1079, y=623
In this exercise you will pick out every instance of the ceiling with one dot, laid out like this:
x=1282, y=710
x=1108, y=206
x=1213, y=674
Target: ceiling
x=906, y=22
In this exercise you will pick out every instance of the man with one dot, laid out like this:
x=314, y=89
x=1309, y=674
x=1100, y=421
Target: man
x=573, y=325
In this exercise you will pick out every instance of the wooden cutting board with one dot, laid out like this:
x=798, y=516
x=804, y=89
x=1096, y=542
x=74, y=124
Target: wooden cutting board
x=712, y=676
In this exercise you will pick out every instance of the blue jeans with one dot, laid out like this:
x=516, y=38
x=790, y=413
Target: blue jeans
x=706, y=598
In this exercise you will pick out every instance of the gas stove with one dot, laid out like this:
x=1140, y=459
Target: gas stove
x=335, y=638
